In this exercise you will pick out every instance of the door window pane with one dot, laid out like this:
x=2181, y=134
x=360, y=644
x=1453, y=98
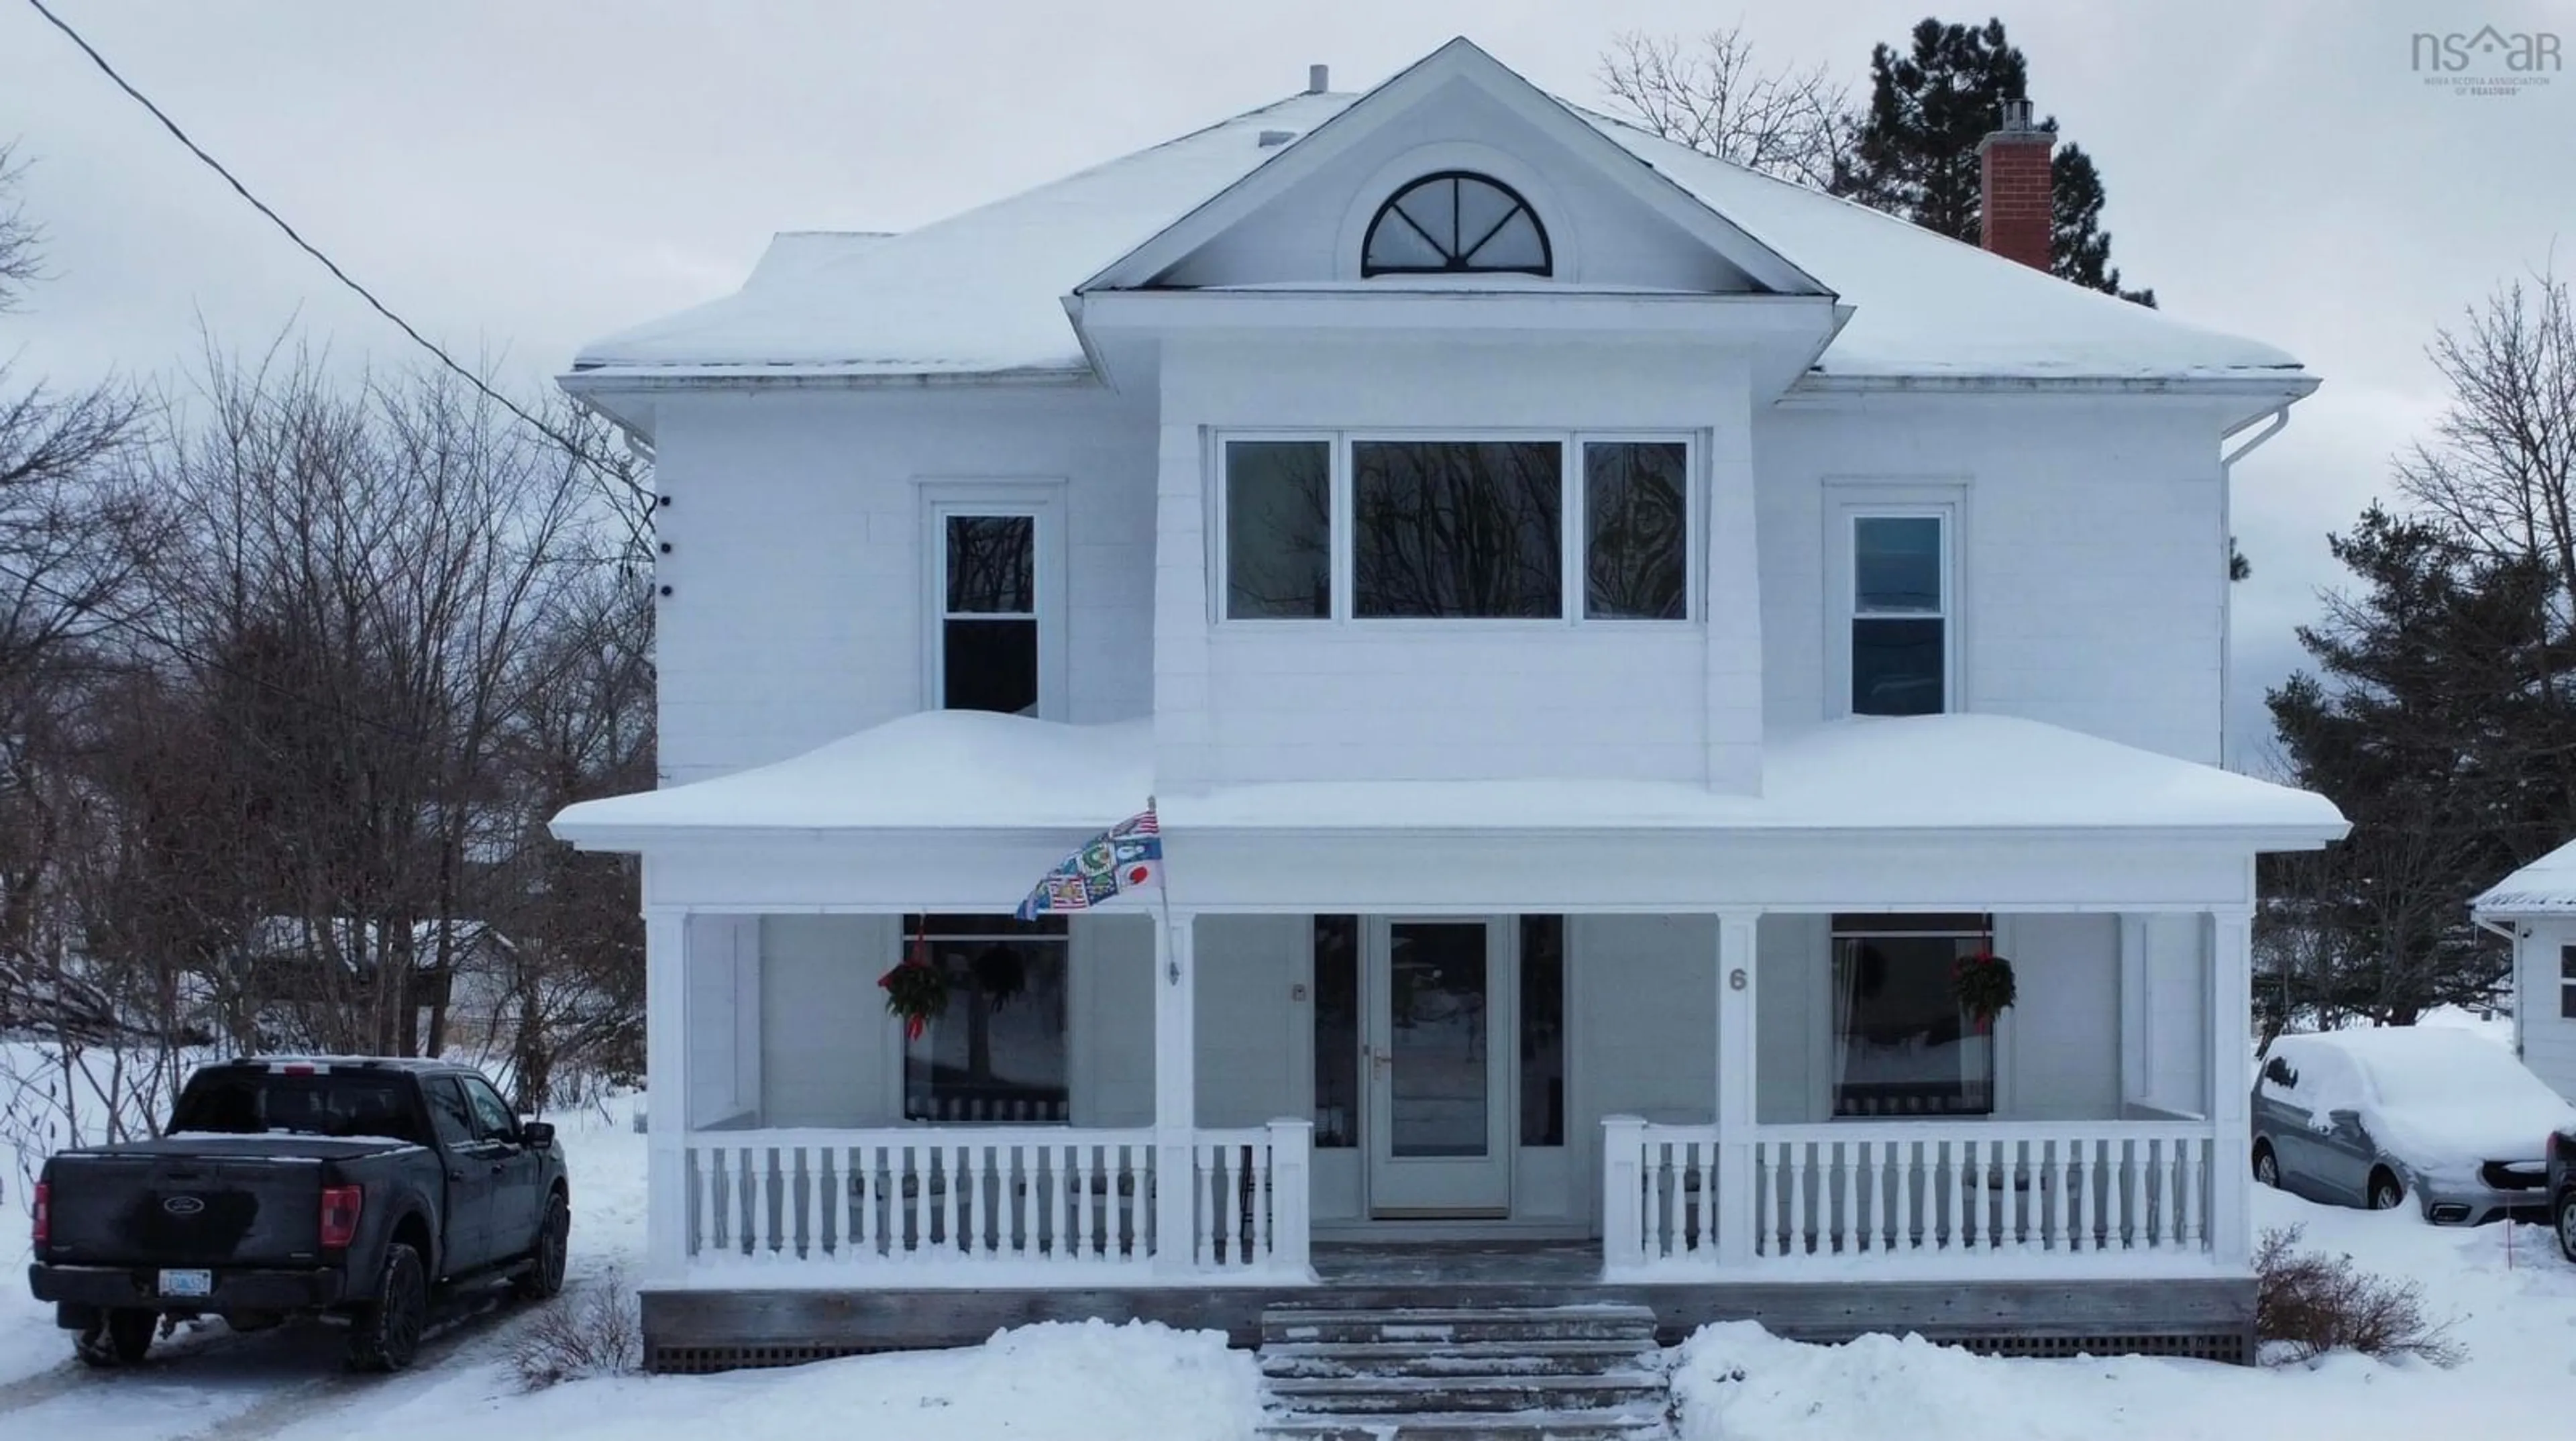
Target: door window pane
x=1542, y=1030
x=1278, y=529
x=998, y=1052
x=1635, y=529
x=1337, y=1031
x=1902, y=1046
x=1458, y=528
x=988, y=643
x=1438, y=1088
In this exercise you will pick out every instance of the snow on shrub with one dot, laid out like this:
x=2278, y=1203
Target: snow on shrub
x=597, y=1331
x=2309, y=1303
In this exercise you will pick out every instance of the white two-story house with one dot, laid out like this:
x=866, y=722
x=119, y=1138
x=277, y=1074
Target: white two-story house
x=1606, y=634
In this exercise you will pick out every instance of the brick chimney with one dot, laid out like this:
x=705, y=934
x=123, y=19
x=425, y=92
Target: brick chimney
x=2014, y=189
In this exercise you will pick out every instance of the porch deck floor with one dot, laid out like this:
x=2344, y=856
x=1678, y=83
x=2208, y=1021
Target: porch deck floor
x=1457, y=1263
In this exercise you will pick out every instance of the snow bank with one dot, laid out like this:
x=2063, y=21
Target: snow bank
x=2515, y=1315
x=970, y=769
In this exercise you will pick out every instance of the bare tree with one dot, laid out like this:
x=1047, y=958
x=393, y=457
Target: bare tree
x=1715, y=97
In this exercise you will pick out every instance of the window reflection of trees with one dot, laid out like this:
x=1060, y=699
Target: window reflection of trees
x=1637, y=522
x=1280, y=530
x=1458, y=528
x=991, y=564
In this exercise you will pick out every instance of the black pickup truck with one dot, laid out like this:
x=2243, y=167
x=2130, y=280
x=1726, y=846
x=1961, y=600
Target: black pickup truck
x=341, y=1187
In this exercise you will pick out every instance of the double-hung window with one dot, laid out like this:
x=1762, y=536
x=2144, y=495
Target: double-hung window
x=1898, y=604
x=2567, y=982
x=995, y=597
x=1596, y=528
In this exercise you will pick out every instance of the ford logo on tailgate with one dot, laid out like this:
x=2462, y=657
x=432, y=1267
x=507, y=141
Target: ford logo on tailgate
x=182, y=1205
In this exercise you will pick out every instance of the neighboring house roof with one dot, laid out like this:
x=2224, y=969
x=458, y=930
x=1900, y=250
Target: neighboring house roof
x=981, y=294
x=2545, y=887
x=969, y=770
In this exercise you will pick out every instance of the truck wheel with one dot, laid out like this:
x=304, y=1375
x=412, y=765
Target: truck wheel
x=545, y=1274
x=385, y=1333
x=117, y=1338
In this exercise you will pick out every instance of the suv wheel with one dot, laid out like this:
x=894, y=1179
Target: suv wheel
x=2267, y=1167
x=2385, y=1192
x=117, y=1338
x=2567, y=1223
x=545, y=1274
x=385, y=1334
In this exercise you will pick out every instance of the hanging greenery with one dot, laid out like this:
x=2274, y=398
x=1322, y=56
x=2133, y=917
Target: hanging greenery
x=1984, y=984
x=1001, y=973
x=916, y=993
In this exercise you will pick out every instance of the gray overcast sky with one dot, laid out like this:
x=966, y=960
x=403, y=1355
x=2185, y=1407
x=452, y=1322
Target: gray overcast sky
x=518, y=177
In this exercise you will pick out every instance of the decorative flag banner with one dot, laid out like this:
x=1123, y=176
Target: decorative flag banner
x=1128, y=856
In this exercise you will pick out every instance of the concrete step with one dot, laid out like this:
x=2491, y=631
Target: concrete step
x=1466, y=1395
x=1638, y=1425
x=1290, y=1324
x=1459, y=1358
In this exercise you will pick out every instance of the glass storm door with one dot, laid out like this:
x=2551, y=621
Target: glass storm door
x=1439, y=1084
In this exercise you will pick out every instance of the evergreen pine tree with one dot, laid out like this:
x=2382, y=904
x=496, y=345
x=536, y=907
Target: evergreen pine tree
x=1914, y=152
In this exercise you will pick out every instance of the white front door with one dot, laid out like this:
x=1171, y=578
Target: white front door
x=1437, y=1062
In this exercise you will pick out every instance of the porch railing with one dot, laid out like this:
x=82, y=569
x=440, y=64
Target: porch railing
x=1039, y=1203
x=1908, y=1189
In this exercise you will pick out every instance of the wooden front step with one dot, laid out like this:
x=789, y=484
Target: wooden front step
x=1452, y=1373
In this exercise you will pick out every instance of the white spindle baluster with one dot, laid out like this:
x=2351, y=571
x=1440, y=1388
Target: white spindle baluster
x=861, y=1197
x=2194, y=1210
x=1265, y=1177
x=2063, y=1208
x=1801, y=1230
x=1081, y=1174
x=1765, y=1172
x=699, y=1228
x=1663, y=1162
x=1704, y=1171
x=1846, y=1227
x=2124, y=1210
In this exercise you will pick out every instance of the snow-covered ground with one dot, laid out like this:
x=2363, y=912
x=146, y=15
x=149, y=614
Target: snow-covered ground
x=2513, y=1311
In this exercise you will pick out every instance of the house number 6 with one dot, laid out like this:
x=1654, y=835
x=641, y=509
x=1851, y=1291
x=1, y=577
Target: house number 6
x=1735, y=979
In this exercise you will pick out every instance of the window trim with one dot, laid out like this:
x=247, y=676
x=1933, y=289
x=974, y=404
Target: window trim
x=1043, y=502
x=1572, y=500
x=1847, y=502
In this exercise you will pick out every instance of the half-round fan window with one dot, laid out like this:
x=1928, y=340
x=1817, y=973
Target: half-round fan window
x=1452, y=223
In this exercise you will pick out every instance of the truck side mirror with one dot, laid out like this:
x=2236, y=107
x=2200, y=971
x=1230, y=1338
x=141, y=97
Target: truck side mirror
x=536, y=1135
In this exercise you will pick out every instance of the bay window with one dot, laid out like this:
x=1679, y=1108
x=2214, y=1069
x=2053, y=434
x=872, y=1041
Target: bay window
x=1544, y=528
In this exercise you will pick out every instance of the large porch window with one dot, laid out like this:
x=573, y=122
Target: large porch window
x=998, y=1053
x=1902, y=1045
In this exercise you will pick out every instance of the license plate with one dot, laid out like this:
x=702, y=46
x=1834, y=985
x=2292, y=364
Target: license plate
x=187, y=1283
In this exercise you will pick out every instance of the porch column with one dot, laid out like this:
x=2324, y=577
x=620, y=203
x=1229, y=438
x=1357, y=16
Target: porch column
x=1176, y=1073
x=2231, y=1051
x=1737, y=933
x=666, y=1092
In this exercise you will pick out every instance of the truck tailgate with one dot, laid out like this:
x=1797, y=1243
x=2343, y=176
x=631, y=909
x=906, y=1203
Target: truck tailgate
x=168, y=1210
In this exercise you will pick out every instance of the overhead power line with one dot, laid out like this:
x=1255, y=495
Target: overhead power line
x=569, y=445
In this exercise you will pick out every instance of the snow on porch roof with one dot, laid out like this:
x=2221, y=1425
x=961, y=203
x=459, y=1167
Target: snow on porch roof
x=2545, y=887
x=968, y=770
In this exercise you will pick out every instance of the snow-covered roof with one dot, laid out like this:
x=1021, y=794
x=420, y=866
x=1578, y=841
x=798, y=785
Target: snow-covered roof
x=981, y=294
x=2545, y=887
x=969, y=770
